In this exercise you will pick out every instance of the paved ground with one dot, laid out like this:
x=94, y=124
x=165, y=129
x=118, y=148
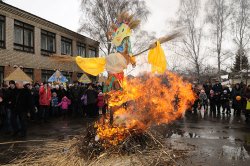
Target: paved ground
x=211, y=141
x=217, y=141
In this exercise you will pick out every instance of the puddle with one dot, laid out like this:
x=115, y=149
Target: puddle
x=196, y=136
x=234, y=153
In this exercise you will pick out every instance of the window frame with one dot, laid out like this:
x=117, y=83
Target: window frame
x=29, y=71
x=92, y=49
x=48, y=34
x=82, y=45
x=24, y=27
x=2, y=74
x=68, y=41
x=2, y=42
x=48, y=74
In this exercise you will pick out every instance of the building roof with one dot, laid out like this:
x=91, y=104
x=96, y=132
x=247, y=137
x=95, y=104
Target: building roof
x=16, y=11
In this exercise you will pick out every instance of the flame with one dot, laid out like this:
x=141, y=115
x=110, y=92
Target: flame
x=143, y=102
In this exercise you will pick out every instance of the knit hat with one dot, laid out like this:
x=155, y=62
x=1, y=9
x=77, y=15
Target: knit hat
x=12, y=82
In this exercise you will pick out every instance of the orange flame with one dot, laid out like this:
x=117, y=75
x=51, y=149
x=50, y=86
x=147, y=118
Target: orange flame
x=149, y=101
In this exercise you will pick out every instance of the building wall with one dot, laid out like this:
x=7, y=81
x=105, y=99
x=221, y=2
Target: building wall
x=10, y=57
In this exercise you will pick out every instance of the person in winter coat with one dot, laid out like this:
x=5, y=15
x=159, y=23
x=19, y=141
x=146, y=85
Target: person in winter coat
x=20, y=112
x=212, y=103
x=247, y=97
x=54, y=104
x=36, y=97
x=237, y=104
x=75, y=98
x=217, y=88
x=92, y=109
x=207, y=87
x=44, y=101
x=58, y=92
x=64, y=104
x=100, y=103
x=225, y=101
x=10, y=97
x=203, y=100
x=2, y=110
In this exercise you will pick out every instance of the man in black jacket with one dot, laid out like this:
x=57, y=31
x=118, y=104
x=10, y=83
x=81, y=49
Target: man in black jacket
x=92, y=109
x=21, y=105
x=217, y=88
x=74, y=94
x=9, y=103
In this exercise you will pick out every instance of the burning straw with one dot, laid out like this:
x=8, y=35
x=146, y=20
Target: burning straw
x=145, y=102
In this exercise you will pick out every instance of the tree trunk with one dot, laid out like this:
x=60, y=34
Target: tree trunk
x=198, y=72
x=219, y=70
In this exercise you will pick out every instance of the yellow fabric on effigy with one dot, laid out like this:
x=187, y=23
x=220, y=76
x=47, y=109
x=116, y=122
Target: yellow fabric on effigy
x=157, y=59
x=93, y=66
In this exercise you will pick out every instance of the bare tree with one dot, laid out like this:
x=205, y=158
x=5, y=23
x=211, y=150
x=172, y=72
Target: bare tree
x=98, y=16
x=141, y=40
x=218, y=14
x=241, y=27
x=190, y=46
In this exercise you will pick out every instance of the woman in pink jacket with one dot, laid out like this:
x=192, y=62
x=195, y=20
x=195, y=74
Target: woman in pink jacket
x=64, y=106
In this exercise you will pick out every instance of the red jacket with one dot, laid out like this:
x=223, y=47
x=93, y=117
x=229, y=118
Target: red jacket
x=44, y=96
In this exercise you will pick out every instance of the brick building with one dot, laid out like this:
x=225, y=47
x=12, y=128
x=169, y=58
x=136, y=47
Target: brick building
x=27, y=40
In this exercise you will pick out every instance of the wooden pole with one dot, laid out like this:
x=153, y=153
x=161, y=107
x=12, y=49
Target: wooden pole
x=161, y=40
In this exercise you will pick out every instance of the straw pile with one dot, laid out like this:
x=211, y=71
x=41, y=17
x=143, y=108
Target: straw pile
x=144, y=149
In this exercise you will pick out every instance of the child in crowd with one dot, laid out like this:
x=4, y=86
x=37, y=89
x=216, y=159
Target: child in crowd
x=203, y=101
x=54, y=104
x=100, y=102
x=64, y=106
x=225, y=101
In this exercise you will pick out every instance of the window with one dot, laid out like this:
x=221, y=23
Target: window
x=92, y=52
x=48, y=42
x=46, y=74
x=68, y=75
x=29, y=72
x=66, y=46
x=24, y=37
x=2, y=31
x=1, y=74
x=81, y=49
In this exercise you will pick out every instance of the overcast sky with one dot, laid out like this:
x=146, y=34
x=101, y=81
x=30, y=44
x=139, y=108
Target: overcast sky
x=67, y=12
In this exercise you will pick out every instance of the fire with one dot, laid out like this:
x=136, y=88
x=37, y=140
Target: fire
x=143, y=102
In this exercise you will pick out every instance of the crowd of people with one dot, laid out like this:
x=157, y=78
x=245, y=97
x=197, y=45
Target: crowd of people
x=218, y=100
x=22, y=103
